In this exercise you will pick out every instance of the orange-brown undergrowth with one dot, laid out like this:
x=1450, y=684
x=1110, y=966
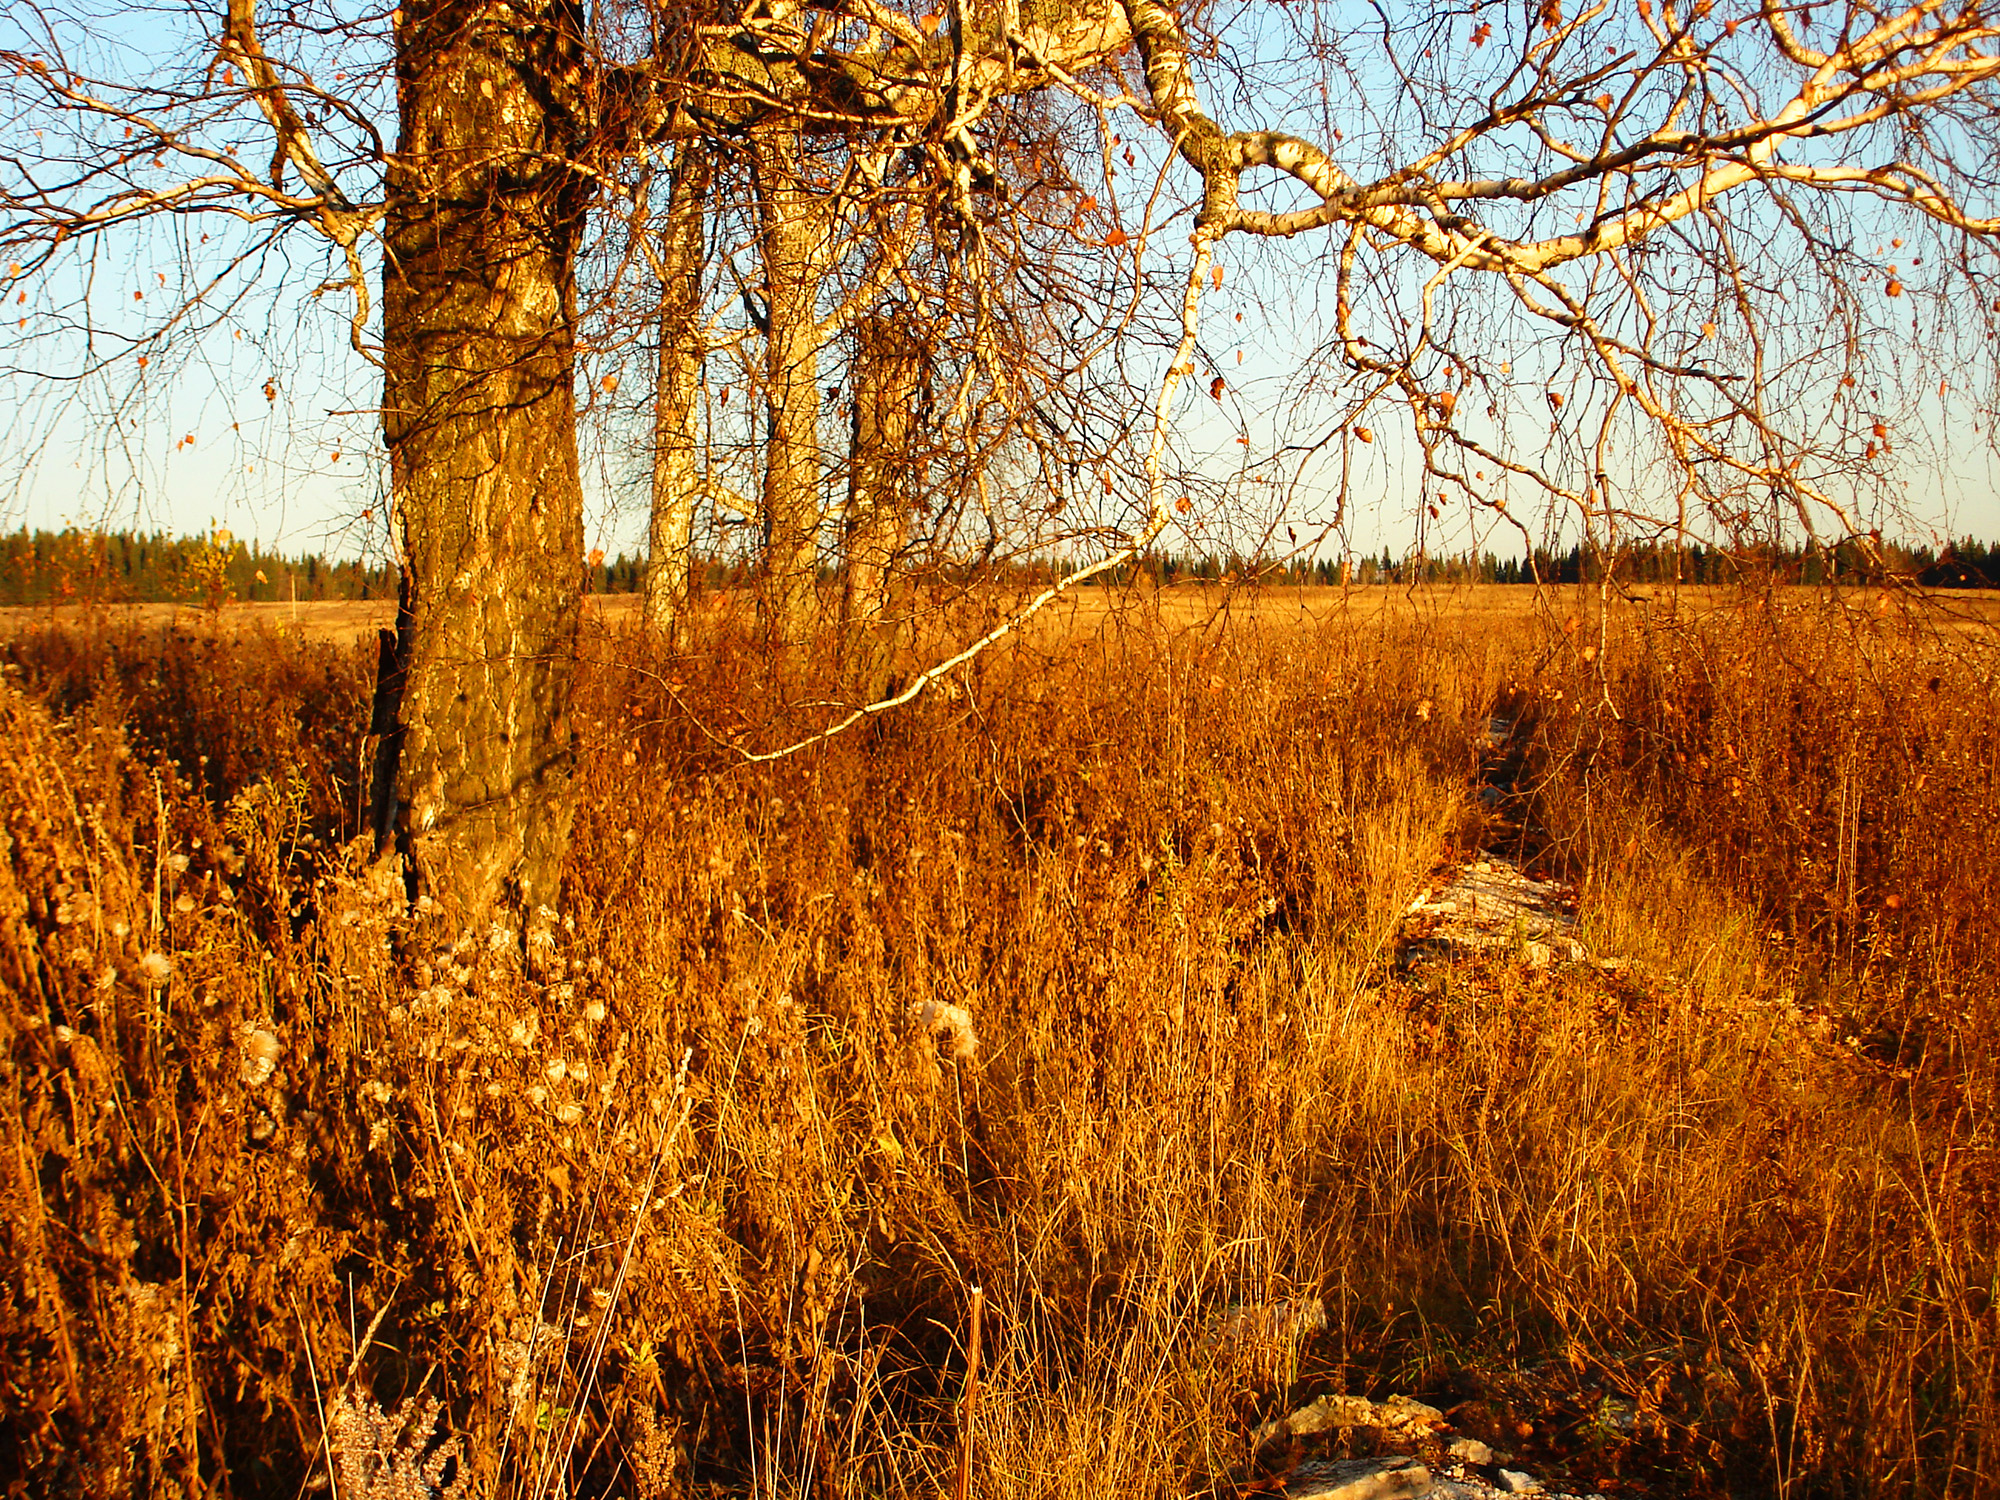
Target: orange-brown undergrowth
x=1072, y=982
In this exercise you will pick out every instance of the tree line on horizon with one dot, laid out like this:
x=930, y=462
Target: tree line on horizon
x=80, y=566
x=1964, y=563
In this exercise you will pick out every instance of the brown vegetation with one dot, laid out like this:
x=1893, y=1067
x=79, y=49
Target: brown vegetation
x=1073, y=982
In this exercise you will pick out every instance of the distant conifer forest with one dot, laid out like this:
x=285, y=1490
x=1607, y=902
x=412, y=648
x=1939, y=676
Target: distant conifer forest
x=78, y=566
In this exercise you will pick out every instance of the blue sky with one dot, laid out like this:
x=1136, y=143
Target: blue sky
x=256, y=414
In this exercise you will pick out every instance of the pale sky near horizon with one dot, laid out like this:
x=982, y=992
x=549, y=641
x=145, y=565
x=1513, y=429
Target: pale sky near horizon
x=269, y=469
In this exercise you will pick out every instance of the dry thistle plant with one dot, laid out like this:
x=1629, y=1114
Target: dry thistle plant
x=377, y=1455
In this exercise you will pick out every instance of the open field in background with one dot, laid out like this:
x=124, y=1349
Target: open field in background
x=1154, y=859
x=1966, y=611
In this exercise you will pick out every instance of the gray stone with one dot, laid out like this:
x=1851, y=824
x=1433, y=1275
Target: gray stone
x=1331, y=1412
x=1493, y=905
x=1361, y=1479
x=1407, y=1411
x=1514, y=1482
x=1470, y=1451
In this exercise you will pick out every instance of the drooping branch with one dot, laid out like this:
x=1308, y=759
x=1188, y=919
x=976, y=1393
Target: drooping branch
x=1892, y=69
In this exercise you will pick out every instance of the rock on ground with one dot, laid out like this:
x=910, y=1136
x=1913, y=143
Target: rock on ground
x=1361, y=1479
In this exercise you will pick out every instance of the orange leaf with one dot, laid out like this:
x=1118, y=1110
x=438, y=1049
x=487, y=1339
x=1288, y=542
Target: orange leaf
x=1556, y=400
x=1107, y=484
x=1894, y=288
x=1216, y=387
x=930, y=24
x=1085, y=205
x=1895, y=244
x=1243, y=442
x=334, y=457
x=1364, y=434
x=1482, y=33
x=1114, y=237
x=1603, y=102
x=1881, y=429
x=14, y=268
x=1184, y=505
x=1708, y=330
x=610, y=384
x=1215, y=276
x=142, y=361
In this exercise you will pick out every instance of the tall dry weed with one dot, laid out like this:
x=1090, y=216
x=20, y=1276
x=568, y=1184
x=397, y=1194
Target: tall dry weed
x=702, y=1206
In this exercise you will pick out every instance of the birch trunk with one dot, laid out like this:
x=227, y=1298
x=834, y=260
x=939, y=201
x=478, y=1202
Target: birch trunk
x=888, y=379
x=484, y=218
x=676, y=449
x=789, y=601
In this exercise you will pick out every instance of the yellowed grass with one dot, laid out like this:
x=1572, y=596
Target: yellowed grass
x=1157, y=857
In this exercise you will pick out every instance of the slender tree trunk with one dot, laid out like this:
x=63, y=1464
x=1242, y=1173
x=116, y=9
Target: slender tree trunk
x=676, y=449
x=791, y=505
x=889, y=369
x=484, y=216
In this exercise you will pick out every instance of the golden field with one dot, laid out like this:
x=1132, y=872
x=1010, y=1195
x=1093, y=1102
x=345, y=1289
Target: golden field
x=701, y=1211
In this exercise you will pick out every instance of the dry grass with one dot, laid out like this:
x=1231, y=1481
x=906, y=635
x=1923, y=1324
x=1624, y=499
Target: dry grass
x=704, y=1209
